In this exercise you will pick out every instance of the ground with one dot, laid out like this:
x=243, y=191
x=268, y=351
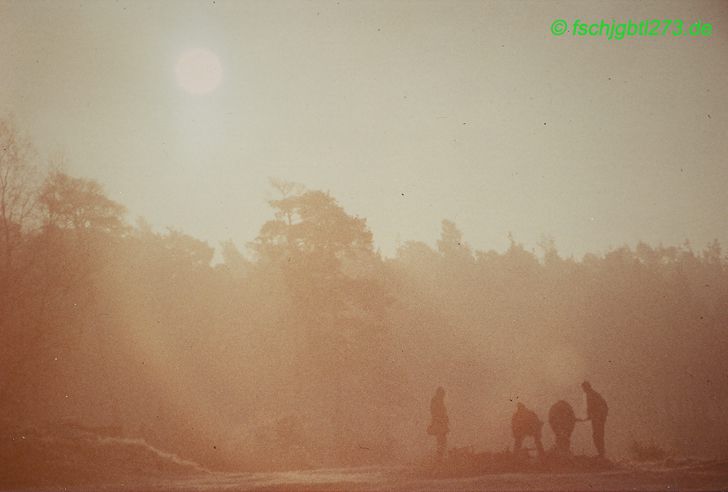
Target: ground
x=703, y=477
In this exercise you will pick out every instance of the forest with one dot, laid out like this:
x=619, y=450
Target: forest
x=306, y=347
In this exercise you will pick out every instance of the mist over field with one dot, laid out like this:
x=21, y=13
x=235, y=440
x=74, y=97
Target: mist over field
x=306, y=348
x=361, y=245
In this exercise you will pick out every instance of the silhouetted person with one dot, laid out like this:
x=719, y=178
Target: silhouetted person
x=526, y=423
x=562, y=421
x=439, y=425
x=596, y=411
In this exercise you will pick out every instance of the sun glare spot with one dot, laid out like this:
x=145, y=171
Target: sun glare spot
x=198, y=71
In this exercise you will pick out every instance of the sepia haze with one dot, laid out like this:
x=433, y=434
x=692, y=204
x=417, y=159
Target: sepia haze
x=410, y=112
x=274, y=267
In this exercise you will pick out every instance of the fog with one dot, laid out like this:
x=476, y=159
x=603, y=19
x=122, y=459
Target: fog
x=307, y=348
x=243, y=239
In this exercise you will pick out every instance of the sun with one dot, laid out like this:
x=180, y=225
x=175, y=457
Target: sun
x=198, y=71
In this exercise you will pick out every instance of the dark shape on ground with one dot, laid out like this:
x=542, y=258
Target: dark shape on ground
x=562, y=421
x=465, y=461
x=647, y=452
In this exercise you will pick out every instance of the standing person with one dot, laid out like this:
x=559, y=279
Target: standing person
x=526, y=423
x=596, y=411
x=439, y=425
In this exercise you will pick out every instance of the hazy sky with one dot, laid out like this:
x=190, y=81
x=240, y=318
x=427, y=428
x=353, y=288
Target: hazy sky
x=408, y=112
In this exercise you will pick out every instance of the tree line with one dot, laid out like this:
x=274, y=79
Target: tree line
x=309, y=348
